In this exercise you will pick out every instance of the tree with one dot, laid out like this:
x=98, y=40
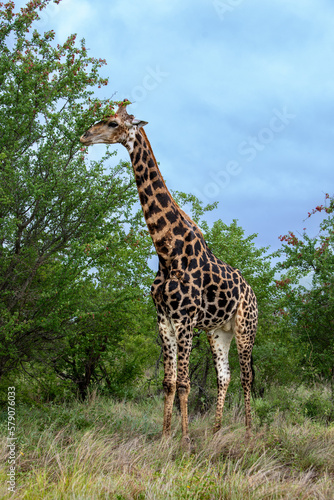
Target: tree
x=109, y=342
x=52, y=200
x=308, y=301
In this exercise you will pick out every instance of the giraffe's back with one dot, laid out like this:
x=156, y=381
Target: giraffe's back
x=223, y=289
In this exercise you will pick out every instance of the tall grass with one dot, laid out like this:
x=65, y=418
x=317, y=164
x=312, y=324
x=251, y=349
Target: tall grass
x=112, y=450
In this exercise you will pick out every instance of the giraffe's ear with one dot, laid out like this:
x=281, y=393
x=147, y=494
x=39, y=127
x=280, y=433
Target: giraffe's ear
x=139, y=123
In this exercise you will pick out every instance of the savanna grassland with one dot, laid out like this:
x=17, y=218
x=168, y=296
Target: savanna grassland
x=105, y=449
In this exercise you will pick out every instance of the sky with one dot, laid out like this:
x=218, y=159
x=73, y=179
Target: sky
x=239, y=97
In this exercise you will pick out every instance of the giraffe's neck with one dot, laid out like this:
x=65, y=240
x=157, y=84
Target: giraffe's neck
x=167, y=223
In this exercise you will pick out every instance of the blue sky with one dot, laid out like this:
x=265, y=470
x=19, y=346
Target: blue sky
x=239, y=97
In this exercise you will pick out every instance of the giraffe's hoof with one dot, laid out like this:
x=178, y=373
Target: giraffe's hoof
x=186, y=444
x=165, y=437
x=165, y=441
x=248, y=435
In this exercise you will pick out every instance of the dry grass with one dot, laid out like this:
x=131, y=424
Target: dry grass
x=106, y=450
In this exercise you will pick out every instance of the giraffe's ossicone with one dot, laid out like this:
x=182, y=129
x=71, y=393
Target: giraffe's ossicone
x=192, y=289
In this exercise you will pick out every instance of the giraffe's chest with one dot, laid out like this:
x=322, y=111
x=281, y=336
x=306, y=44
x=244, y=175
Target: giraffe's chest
x=204, y=299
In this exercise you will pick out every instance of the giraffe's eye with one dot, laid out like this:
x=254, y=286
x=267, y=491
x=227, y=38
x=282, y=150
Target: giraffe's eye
x=113, y=124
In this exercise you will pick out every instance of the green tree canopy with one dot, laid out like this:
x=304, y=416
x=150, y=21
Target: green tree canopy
x=308, y=302
x=53, y=201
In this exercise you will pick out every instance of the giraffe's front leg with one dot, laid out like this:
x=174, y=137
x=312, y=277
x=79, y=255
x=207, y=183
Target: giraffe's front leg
x=184, y=343
x=179, y=347
x=169, y=349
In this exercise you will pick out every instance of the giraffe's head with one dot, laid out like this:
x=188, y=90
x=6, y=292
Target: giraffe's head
x=119, y=128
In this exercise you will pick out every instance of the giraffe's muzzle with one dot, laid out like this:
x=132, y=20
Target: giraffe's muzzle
x=84, y=139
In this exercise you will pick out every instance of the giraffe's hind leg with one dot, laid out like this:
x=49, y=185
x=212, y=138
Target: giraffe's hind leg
x=245, y=330
x=220, y=341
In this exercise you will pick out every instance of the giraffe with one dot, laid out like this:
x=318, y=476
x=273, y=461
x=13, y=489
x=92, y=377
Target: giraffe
x=193, y=288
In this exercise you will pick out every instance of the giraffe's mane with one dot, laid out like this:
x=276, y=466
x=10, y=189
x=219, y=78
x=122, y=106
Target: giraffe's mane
x=186, y=216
